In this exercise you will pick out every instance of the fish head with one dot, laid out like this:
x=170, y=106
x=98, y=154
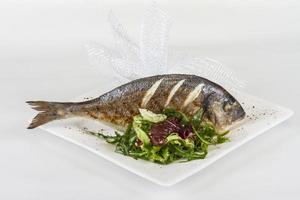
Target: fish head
x=224, y=110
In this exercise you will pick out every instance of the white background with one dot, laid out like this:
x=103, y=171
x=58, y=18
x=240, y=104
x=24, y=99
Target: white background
x=42, y=57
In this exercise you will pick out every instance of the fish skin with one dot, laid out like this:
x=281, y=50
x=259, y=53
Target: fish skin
x=119, y=105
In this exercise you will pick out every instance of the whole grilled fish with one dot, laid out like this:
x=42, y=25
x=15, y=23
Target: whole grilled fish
x=185, y=93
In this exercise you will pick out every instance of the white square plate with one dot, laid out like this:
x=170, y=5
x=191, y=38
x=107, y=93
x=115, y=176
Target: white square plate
x=261, y=116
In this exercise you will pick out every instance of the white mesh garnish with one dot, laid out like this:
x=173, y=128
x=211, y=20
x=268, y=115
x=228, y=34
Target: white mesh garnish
x=149, y=56
x=210, y=69
x=153, y=41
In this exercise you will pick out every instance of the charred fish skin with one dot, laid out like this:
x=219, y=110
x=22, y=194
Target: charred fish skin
x=193, y=93
x=186, y=93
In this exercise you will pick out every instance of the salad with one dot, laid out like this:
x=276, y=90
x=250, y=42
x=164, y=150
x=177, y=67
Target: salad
x=166, y=137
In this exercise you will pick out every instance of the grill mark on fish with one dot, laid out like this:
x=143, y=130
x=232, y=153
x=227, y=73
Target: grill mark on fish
x=173, y=91
x=193, y=94
x=194, y=106
x=157, y=102
x=181, y=94
x=150, y=92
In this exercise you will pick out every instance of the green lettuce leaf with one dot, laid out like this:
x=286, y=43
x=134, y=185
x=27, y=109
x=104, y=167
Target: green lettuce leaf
x=176, y=139
x=152, y=117
x=141, y=135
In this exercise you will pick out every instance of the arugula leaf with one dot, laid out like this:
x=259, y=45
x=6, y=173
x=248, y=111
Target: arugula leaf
x=196, y=119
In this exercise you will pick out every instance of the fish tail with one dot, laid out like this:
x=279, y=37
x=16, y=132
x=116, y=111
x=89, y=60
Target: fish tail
x=48, y=111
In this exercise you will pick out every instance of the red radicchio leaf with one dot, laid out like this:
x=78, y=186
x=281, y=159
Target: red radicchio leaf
x=160, y=131
x=185, y=132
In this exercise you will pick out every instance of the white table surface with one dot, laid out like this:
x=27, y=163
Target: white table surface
x=46, y=61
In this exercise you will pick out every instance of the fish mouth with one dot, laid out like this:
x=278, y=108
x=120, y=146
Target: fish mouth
x=238, y=113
